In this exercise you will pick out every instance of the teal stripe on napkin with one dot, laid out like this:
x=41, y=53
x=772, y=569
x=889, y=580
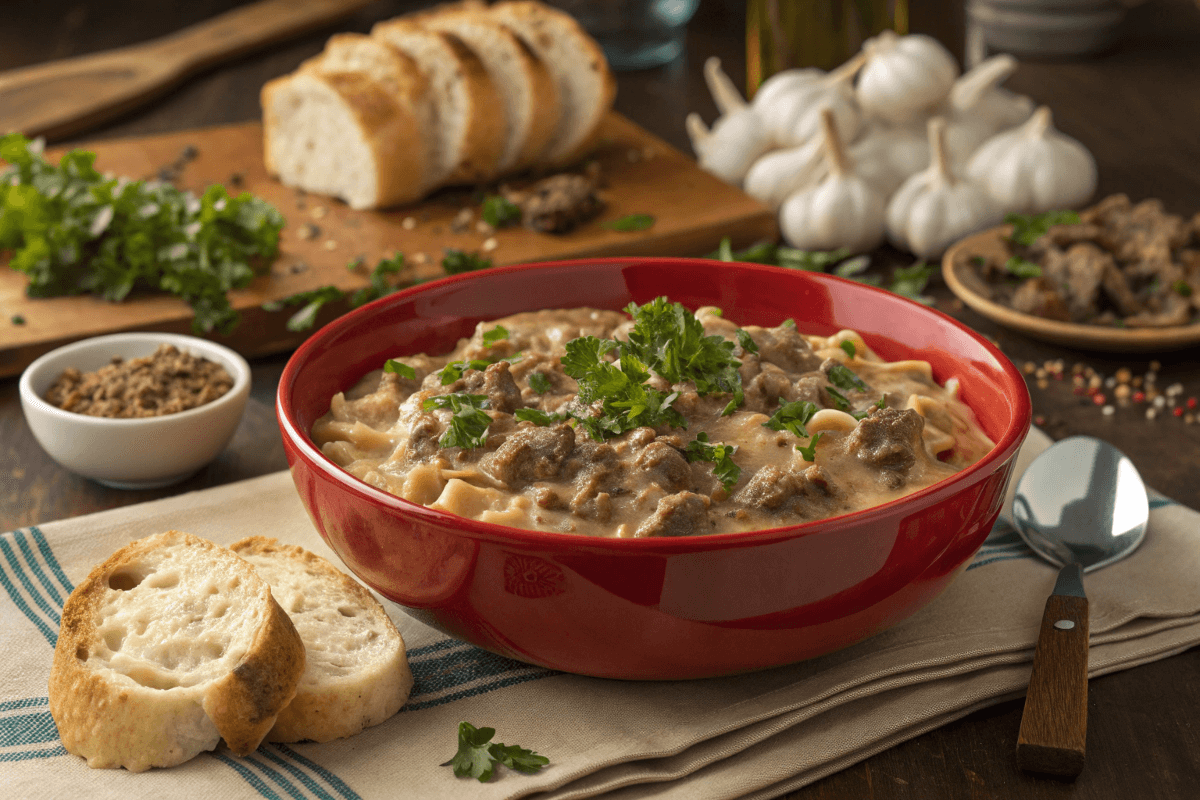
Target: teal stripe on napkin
x=332, y=780
x=298, y=774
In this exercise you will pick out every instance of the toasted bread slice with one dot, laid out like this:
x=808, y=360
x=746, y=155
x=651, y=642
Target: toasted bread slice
x=343, y=134
x=526, y=86
x=400, y=76
x=357, y=673
x=586, y=86
x=465, y=100
x=170, y=645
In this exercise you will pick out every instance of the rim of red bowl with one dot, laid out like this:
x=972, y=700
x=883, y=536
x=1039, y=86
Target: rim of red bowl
x=305, y=449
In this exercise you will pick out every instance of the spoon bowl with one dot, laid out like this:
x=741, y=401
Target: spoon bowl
x=1080, y=505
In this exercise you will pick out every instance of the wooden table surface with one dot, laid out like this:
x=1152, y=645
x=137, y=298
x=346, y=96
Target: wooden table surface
x=1137, y=108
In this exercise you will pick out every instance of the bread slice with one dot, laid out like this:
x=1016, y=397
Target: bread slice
x=586, y=85
x=526, y=86
x=357, y=673
x=170, y=645
x=466, y=102
x=400, y=76
x=345, y=135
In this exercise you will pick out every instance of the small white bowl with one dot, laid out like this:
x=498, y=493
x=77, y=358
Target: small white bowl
x=138, y=453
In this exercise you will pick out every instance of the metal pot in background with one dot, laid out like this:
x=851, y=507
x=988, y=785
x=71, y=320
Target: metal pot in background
x=1042, y=28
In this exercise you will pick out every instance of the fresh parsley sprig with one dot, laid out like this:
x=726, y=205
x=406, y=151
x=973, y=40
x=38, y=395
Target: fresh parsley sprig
x=631, y=222
x=400, y=368
x=314, y=300
x=478, y=756
x=626, y=401
x=792, y=417
x=721, y=456
x=469, y=421
x=500, y=212
x=75, y=231
x=455, y=261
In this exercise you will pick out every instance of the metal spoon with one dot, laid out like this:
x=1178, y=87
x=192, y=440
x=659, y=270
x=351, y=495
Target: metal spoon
x=1080, y=505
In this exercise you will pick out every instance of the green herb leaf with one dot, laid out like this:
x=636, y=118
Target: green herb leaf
x=861, y=415
x=631, y=222
x=312, y=302
x=626, y=401
x=792, y=417
x=788, y=323
x=1022, y=268
x=455, y=369
x=539, y=382
x=400, y=368
x=379, y=286
x=469, y=424
x=499, y=212
x=518, y=758
x=74, y=231
x=809, y=453
x=721, y=456
x=842, y=377
x=746, y=342
x=496, y=334
x=473, y=759
x=17, y=319
x=458, y=261
x=1027, y=229
x=538, y=417
x=760, y=253
x=839, y=400
x=848, y=347
x=911, y=281
x=810, y=260
x=1182, y=288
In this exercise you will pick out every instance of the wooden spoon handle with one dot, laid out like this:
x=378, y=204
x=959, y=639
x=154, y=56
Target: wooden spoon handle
x=1053, y=735
x=60, y=98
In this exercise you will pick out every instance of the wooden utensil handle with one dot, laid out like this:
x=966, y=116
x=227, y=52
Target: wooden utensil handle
x=1053, y=735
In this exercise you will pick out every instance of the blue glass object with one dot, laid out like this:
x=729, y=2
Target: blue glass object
x=635, y=34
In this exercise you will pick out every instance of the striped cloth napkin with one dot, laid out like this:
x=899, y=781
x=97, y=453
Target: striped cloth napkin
x=755, y=736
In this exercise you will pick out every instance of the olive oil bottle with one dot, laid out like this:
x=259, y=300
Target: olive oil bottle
x=781, y=34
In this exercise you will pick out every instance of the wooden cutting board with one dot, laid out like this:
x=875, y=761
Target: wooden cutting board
x=642, y=175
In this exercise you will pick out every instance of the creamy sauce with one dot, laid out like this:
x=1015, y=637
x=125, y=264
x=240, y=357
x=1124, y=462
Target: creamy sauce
x=914, y=433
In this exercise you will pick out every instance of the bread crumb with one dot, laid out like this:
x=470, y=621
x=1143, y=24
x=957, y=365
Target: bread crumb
x=490, y=244
x=409, y=223
x=318, y=211
x=330, y=244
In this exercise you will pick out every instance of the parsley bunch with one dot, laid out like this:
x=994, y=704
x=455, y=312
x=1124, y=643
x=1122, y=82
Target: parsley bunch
x=626, y=401
x=74, y=231
x=478, y=755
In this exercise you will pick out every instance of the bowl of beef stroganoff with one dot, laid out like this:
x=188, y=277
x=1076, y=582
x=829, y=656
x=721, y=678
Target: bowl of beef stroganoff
x=652, y=468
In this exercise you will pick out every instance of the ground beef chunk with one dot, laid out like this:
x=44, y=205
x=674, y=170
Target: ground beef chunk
x=786, y=348
x=683, y=514
x=530, y=454
x=1040, y=297
x=423, y=435
x=888, y=439
x=1078, y=272
x=1118, y=291
x=809, y=389
x=496, y=382
x=666, y=465
x=774, y=489
x=764, y=389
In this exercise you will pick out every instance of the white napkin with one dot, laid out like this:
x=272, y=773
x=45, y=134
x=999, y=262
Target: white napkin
x=755, y=735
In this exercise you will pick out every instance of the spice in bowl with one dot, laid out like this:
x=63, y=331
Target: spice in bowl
x=166, y=382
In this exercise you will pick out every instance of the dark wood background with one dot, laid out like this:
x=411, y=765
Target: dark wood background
x=1137, y=108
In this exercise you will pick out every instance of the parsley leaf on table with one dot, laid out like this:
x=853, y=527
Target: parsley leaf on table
x=477, y=755
x=455, y=262
x=911, y=281
x=721, y=456
x=469, y=424
x=500, y=212
x=631, y=222
x=74, y=231
x=379, y=286
x=1028, y=228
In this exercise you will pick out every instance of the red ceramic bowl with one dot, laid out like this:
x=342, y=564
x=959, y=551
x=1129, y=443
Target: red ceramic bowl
x=654, y=608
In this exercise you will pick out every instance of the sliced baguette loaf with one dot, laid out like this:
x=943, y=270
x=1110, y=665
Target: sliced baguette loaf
x=343, y=134
x=357, y=673
x=168, y=646
x=400, y=76
x=586, y=86
x=526, y=86
x=467, y=106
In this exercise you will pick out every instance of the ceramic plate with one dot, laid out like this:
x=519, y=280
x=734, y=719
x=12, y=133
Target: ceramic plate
x=969, y=288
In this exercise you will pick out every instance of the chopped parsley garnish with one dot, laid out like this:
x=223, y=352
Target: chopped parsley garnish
x=500, y=212
x=911, y=281
x=1022, y=267
x=538, y=417
x=861, y=415
x=539, y=382
x=478, y=756
x=469, y=424
x=458, y=261
x=631, y=222
x=455, y=369
x=379, y=286
x=1028, y=228
x=841, y=377
x=496, y=334
x=1182, y=288
x=792, y=417
x=17, y=319
x=746, y=342
x=839, y=400
x=721, y=456
x=313, y=300
x=809, y=453
x=626, y=401
x=400, y=368
x=848, y=348
x=788, y=323
x=74, y=231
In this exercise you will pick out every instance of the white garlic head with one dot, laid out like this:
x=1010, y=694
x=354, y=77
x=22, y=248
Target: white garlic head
x=779, y=173
x=886, y=155
x=904, y=76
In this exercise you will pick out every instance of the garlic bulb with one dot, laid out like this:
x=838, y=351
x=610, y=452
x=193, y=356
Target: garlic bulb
x=843, y=210
x=737, y=138
x=978, y=108
x=783, y=82
x=935, y=208
x=779, y=173
x=1035, y=168
x=904, y=75
x=886, y=155
x=792, y=113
